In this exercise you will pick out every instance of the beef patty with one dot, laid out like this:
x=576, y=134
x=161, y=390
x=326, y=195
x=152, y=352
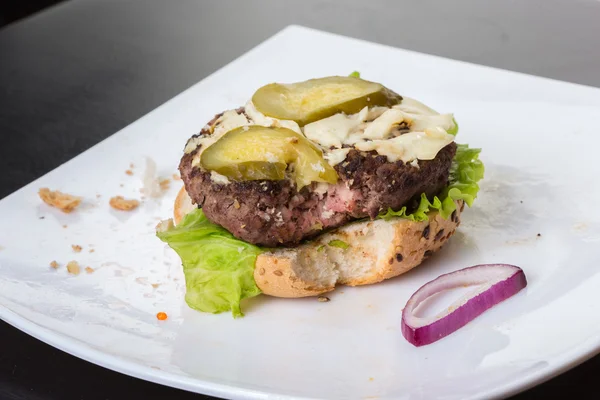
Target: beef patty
x=274, y=213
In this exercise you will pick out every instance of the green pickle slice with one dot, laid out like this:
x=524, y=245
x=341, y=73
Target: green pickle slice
x=315, y=99
x=257, y=152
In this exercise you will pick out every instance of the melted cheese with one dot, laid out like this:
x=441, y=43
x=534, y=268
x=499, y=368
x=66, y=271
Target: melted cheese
x=225, y=123
x=229, y=121
x=333, y=131
x=410, y=146
x=218, y=178
x=379, y=129
x=258, y=118
x=336, y=156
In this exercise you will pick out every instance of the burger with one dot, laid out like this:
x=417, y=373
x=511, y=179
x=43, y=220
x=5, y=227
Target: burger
x=331, y=181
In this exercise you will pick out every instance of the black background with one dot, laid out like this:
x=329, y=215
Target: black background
x=73, y=75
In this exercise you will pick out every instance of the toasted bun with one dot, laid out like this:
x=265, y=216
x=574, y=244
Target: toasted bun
x=376, y=250
x=183, y=205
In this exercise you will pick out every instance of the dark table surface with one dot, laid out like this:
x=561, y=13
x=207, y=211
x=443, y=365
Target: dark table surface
x=73, y=75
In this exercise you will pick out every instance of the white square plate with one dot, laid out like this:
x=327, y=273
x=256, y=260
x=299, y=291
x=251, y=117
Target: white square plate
x=539, y=139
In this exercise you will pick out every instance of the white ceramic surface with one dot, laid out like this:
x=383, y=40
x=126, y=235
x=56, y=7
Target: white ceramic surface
x=540, y=140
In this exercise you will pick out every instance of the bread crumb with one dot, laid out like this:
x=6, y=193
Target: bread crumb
x=323, y=299
x=155, y=285
x=89, y=270
x=131, y=166
x=65, y=226
x=73, y=267
x=76, y=248
x=129, y=172
x=63, y=201
x=164, y=184
x=176, y=177
x=54, y=264
x=92, y=250
x=120, y=203
x=371, y=379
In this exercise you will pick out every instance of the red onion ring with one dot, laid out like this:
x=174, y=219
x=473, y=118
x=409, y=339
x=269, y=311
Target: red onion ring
x=498, y=282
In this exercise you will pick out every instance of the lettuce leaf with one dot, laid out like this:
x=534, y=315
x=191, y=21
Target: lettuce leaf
x=339, y=244
x=454, y=130
x=355, y=74
x=218, y=268
x=465, y=172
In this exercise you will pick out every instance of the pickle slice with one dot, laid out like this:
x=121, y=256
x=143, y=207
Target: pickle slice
x=254, y=171
x=315, y=99
x=258, y=152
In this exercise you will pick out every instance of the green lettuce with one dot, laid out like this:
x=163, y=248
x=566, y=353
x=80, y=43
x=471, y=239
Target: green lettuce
x=218, y=268
x=465, y=172
x=355, y=74
x=454, y=130
x=339, y=244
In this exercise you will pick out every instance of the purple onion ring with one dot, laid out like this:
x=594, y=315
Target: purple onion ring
x=497, y=283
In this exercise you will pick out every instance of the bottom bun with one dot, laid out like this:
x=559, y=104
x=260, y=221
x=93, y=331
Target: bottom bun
x=359, y=253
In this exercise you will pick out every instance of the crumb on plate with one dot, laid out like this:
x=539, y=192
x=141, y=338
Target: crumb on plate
x=63, y=201
x=322, y=299
x=73, y=267
x=120, y=203
x=54, y=264
x=131, y=166
x=65, y=226
x=164, y=184
x=129, y=172
x=176, y=177
x=155, y=285
x=76, y=248
x=89, y=269
x=92, y=250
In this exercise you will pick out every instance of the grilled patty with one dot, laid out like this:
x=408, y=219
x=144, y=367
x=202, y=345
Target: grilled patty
x=274, y=213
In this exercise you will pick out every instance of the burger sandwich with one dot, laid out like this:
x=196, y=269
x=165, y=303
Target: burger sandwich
x=309, y=185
